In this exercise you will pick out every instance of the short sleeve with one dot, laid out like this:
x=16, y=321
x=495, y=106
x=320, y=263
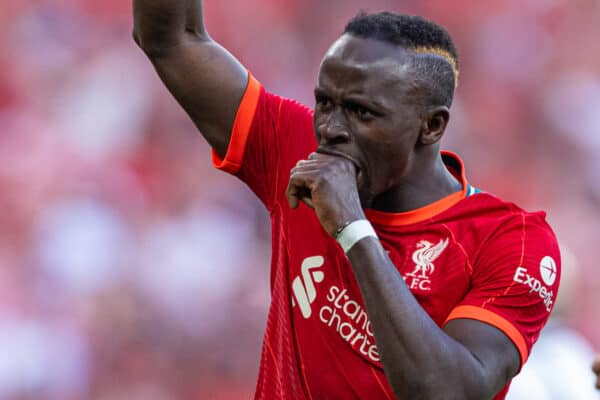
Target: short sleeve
x=269, y=135
x=515, y=280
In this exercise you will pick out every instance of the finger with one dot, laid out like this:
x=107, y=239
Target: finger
x=306, y=162
x=291, y=194
x=297, y=189
x=304, y=168
x=316, y=156
x=300, y=162
x=308, y=201
x=303, y=194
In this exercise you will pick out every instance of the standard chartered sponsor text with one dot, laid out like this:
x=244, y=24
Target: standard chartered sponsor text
x=350, y=320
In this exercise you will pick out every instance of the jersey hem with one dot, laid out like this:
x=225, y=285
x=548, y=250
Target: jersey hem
x=241, y=130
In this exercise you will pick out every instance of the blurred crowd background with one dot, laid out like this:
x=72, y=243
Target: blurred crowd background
x=130, y=269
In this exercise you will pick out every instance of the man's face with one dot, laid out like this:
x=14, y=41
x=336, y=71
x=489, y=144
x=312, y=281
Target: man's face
x=366, y=111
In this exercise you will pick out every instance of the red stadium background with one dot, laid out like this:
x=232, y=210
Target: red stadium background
x=129, y=269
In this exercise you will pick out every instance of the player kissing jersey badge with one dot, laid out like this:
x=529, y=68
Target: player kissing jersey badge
x=423, y=257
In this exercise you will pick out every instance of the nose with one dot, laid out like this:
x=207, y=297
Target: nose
x=332, y=131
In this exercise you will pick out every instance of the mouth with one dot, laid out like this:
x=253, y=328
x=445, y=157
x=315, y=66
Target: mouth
x=332, y=152
x=361, y=174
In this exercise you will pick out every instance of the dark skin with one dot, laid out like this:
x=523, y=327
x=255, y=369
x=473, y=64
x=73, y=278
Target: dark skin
x=204, y=78
x=378, y=148
x=596, y=369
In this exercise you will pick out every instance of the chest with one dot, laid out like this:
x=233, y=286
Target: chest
x=433, y=264
x=332, y=332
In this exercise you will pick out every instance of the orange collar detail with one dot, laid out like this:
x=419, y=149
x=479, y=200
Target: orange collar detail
x=430, y=210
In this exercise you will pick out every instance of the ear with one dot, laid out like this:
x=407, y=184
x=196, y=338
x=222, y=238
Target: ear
x=434, y=124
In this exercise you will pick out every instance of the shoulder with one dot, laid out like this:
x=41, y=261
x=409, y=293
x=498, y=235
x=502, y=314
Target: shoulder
x=488, y=210
x=506, y=233
x=281, y=107
x=484, y=219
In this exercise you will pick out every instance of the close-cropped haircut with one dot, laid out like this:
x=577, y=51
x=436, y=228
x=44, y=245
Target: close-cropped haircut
x=434, y=57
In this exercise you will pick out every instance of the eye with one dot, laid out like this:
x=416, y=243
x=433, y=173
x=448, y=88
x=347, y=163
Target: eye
x=359, y=111
x=322, y=101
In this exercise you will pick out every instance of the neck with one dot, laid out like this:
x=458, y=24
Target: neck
x=428, y=183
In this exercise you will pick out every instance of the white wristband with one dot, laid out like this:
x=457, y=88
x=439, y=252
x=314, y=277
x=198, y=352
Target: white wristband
x=355, y=232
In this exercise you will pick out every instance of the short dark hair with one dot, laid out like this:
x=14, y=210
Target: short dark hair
x=435, y=60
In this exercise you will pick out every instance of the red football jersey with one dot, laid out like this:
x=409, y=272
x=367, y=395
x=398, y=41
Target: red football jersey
x=469, y=255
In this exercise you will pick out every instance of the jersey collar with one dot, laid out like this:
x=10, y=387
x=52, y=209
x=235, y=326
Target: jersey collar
x=456, y=167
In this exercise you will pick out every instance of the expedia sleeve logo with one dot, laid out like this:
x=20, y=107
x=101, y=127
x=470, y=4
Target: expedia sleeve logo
x=548, y=272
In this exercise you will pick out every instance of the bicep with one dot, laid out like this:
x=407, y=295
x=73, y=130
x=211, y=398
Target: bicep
x=496, y=354
x=208, y=82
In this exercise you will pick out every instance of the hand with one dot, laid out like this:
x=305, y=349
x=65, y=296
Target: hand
x=596, y=369
x=327, y=184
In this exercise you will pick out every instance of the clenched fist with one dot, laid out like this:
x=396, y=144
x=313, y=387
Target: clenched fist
x=328, y=184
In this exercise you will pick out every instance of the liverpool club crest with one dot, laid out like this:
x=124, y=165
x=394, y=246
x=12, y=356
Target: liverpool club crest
x=423, y=257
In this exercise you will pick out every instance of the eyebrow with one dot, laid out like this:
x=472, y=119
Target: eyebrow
x=355, y=99
x=374, y=106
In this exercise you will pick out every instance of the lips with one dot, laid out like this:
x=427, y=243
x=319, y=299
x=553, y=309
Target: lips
x=360, y=175
x=336, y=153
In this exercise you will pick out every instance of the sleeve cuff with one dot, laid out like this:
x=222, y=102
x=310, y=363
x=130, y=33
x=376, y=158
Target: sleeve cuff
x=241, y=130
x=491, y=318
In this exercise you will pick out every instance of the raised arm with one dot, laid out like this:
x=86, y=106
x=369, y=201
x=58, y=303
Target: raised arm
x=207, y=81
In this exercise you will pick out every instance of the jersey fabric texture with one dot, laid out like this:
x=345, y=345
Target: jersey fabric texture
x=469, y=255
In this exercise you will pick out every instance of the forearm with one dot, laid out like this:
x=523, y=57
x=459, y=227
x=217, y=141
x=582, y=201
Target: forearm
x=160, y=24
x=206, y=80
x=419, y=359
